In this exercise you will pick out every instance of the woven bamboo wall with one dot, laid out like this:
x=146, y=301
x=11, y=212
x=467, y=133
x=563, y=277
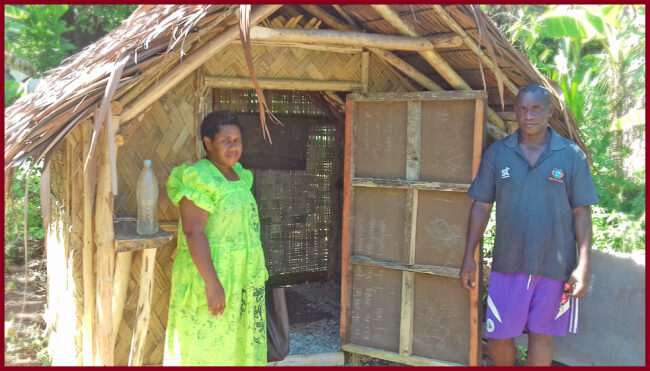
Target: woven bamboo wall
x=383, y=78
x=167, y=136
x=288, y=63
x=64, y=245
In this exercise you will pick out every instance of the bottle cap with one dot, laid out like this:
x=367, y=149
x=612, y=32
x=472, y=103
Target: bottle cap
x=147, y=162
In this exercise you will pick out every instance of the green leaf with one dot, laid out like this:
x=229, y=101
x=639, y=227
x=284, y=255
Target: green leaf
x=569, y=22
x=14, y=12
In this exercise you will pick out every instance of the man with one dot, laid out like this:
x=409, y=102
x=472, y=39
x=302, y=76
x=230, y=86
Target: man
x=543, y=189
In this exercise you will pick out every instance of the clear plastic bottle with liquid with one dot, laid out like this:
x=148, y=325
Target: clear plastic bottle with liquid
x=147, y=195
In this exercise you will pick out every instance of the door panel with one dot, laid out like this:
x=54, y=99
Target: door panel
x=445, y=141
x=440, y=319
x=380, y=138
x=379, y=223
x=409, y=161
x=376, y=298
x=441, y=228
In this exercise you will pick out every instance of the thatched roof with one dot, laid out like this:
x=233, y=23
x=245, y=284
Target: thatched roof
x=156, y=38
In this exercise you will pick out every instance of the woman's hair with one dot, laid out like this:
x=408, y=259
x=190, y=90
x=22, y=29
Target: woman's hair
x=213, y=122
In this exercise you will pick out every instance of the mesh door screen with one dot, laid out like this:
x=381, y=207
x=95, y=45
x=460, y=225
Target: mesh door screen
x=296, y=203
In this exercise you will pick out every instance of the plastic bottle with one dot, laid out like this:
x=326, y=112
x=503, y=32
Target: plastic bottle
x=147, y=195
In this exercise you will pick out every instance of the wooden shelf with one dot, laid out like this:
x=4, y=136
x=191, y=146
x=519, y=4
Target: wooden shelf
x=127, y=239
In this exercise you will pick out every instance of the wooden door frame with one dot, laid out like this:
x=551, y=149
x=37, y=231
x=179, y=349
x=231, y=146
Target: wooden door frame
x=414, y=100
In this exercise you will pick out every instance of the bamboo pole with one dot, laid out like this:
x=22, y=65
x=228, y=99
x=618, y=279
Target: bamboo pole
x=495, y=130
x=191, y=63
x=467, y=39
x=144, y=307
x=282, y=84
x=350, y=38
x=319, y=47
x=87, y=260
x=345, y=15
x=434, y=59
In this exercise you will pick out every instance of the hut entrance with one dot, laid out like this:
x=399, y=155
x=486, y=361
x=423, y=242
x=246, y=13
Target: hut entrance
x=297, y=185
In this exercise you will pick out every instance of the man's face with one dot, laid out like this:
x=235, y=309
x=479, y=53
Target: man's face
x=533, y=112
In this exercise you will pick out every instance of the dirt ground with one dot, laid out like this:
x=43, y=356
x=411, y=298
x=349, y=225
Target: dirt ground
x=25, y=329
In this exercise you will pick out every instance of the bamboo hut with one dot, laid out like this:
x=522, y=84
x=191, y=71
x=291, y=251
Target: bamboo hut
x=372, y=97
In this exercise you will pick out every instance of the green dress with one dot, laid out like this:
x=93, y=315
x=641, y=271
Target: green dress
x=238, y=336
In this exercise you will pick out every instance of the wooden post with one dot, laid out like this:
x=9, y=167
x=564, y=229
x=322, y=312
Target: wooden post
x=105, y=253
x=122, y=275
x=346, y=235
x=144, y=307
x=474, y=339
x=199, y=108
x=87, y=259
x=365, y=64
x=413, y=144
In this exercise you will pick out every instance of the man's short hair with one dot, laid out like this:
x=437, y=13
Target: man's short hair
x=213, y=122
x=535, y=89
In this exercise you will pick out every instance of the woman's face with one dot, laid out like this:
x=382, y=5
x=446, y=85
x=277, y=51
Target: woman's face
x=226, y=147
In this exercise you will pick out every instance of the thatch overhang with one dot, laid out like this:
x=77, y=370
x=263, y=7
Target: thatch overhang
x=156, y=39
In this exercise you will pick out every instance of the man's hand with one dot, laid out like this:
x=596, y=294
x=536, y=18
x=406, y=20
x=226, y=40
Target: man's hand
x=578, y=282
x=467, y=273
x=216, y=298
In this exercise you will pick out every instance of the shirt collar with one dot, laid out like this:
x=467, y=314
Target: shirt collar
x=557, y=141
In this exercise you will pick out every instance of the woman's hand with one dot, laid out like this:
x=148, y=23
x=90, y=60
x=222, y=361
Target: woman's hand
x=216, y=298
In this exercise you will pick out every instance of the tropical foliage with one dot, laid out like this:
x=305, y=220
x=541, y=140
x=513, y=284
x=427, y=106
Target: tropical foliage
x=37, y=39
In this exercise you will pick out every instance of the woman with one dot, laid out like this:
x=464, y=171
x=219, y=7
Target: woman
x=216, y=310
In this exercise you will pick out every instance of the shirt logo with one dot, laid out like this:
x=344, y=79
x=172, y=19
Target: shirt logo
x=557, y=175
x=489, y=325
x=505, y=172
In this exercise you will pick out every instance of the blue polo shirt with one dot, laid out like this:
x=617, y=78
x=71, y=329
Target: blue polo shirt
x=535, y=233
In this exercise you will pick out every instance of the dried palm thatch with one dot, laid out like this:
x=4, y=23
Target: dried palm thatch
x=154, y=39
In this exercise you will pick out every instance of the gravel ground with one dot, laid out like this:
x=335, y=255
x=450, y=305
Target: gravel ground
x=314, y=310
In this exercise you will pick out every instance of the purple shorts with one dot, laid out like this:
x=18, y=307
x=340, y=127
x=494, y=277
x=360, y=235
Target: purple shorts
x=518, y=301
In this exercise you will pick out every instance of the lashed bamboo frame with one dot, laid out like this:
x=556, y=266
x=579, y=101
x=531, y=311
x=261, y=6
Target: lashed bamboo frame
x=408, y=268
